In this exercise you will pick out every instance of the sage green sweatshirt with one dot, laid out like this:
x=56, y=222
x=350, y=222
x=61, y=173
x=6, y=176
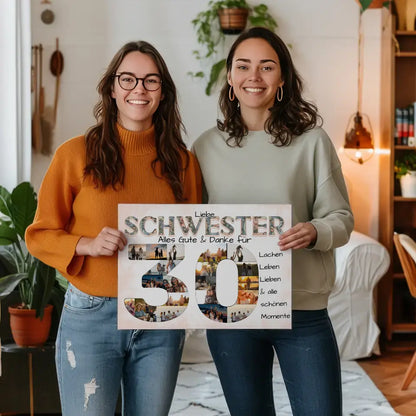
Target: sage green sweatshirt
x=306, y=174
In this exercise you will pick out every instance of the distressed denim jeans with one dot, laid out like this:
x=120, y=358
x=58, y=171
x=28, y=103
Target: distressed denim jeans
x=309, y=361
x=94, y=358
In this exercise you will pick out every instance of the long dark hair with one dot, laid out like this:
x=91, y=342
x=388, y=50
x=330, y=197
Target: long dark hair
x=104, y=150
x=288, y=118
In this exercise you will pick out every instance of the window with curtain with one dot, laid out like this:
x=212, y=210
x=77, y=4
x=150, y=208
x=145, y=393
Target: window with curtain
x=15, y=114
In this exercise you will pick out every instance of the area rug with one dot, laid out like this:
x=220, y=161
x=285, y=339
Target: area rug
x=198, y=393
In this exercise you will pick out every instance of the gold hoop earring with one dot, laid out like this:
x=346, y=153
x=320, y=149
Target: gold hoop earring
x=231, y=95
x=279, y=95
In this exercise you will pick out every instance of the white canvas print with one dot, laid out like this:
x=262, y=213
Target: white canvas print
x=204, y=266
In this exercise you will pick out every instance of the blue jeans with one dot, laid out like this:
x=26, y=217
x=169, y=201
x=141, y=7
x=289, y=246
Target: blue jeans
x=308, y=357
x=93, y=358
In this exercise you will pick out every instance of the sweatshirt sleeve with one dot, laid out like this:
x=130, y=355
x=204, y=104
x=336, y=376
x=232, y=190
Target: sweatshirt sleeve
x=48, y=238
x=331, y=213
x=193, y=181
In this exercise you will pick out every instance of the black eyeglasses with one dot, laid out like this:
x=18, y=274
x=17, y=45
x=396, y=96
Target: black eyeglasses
x=127, y=81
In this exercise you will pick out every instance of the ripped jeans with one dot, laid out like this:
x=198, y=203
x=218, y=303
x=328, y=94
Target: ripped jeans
x=94, y=358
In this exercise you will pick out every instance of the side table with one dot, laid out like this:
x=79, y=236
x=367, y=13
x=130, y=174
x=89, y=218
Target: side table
x=29, y=351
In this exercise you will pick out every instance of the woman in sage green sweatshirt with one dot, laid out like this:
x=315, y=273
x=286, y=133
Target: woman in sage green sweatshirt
x=270, y=149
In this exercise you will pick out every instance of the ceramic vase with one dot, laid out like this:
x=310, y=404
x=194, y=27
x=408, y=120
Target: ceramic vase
x=408, y=185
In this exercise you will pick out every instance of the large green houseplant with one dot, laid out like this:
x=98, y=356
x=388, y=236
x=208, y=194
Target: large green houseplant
x=38, y=283
x=210, y=36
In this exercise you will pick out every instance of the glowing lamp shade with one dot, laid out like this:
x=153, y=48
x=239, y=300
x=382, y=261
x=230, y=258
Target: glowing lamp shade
x=358, y=144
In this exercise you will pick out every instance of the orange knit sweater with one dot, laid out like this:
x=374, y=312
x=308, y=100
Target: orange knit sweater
x=70, y=207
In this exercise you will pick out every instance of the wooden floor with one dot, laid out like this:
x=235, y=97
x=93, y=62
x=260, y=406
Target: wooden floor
x=387, y=372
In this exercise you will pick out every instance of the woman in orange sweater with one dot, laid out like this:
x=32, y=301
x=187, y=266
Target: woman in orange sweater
x=133, y=154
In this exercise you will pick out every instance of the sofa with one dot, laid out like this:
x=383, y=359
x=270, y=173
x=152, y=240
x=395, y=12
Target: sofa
x=360, y=264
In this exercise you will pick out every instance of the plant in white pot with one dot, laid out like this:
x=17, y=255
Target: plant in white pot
x=38, y=284
x=405, y=168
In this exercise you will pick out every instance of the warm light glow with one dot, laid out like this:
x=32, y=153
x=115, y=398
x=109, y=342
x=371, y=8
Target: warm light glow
x=359, y=156
x=377, y=151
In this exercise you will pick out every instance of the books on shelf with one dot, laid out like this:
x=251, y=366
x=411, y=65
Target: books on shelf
x=405, y=120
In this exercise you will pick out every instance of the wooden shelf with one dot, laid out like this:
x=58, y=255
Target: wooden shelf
x=401, y=341
x=402, y=147
x=405, y=33
x=404, y=327
x=403, y=199
x=405, y=54
x=396, y=310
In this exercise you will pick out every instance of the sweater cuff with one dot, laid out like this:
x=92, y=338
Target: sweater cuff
x=75, y=266
x=323, y=236
x=76, y=262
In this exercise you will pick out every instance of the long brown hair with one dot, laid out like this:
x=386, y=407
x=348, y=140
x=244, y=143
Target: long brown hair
x=103, y=147
x=288, y=118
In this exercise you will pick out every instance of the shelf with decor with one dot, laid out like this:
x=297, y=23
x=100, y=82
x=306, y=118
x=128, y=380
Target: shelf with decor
x=396, y=309
x=403, y=147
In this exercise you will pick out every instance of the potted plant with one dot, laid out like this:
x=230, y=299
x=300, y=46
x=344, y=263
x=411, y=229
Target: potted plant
x=232, y=16
x=373, y=4
x=38, y=284
x=210, y=35
x=405, y=168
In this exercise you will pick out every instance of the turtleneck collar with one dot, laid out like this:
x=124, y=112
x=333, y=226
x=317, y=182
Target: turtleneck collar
x=137, y=142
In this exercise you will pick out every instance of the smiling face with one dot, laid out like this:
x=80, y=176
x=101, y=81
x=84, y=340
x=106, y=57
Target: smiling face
x=255, y=75
x=136, y=107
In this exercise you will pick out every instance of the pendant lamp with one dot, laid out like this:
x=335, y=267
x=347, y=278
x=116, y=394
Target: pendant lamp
x=358, y=144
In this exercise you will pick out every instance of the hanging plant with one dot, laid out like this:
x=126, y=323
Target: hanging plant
x=210, y=36
x=373, y=4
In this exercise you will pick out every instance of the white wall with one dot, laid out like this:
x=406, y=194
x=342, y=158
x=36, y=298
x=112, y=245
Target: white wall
x=323, y=35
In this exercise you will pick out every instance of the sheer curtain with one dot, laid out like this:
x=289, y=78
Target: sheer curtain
x=15, y=113
x=15, y=110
